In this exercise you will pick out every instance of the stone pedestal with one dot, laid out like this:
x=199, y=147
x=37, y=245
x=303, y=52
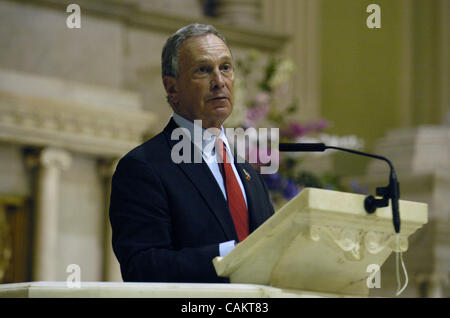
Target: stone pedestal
x=151, y=290
x=421, y=157
x=421, y=150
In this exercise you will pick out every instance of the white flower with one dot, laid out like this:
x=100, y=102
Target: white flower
x=350, y=142
x=283, y=73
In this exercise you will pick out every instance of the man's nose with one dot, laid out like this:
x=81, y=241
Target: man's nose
x=217, y=79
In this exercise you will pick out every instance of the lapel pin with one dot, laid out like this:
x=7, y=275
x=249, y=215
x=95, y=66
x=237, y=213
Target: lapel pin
x=247, y=175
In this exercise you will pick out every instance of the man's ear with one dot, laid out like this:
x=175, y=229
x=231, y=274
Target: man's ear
x=170, y=84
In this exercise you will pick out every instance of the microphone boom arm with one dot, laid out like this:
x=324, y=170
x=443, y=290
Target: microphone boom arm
x=391, y=191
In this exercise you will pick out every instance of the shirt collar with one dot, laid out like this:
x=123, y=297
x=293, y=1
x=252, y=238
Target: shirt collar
x=204, y=145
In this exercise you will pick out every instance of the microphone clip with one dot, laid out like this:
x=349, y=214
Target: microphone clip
x=391, y=191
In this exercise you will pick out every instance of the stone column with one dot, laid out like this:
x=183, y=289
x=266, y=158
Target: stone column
x=52, y=161
x=5, y=243
x=111, y=267
x=243, y=12
x=301, y=20
x=431, y=285
x=190, y=8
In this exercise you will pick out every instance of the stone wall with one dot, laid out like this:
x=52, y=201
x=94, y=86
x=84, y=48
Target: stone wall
x=73, y=101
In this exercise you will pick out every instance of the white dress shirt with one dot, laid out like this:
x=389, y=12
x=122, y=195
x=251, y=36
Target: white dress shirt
x=206, y=147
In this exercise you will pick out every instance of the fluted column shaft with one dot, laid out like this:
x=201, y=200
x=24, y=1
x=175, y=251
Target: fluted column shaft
x=245, y=12
x=52, y=162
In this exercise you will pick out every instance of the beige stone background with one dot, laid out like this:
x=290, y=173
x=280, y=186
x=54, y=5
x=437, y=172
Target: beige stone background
x=73, y=101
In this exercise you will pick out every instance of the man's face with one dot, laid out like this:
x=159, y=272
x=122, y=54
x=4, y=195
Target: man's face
x=204, y=87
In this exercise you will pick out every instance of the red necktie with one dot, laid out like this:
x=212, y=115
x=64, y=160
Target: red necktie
x=236, y=201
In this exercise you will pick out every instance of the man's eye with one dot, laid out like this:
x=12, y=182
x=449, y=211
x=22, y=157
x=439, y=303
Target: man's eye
x=226, y=67
x=202, y=69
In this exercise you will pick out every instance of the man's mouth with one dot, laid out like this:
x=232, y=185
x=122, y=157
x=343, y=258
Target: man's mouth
x=218, y=98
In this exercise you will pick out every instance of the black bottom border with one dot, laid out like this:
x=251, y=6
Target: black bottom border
x=218, y=307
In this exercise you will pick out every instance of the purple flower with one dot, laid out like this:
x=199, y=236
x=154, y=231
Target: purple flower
x=273, y=181
x=290, y=190
x=298, y=130
x=321, y=124
x=357, y=188
x=256, y=113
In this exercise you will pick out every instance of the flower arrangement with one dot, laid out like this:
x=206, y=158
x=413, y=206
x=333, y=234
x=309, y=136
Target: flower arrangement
x=262, y=100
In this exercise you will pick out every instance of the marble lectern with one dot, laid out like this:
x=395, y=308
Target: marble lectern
x=321, y=241
x=320, y=244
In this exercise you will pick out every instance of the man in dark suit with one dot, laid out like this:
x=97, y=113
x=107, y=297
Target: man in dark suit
x=170, y=219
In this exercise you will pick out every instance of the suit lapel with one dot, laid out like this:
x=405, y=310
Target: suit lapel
x=202, y=178
x=249, y=179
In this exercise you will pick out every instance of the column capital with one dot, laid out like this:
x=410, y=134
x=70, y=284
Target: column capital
x=106, y=167
x=55, y=157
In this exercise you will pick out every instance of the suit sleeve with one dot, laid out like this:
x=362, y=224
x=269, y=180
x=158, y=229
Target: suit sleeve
x=141, y=231
x=266, y=190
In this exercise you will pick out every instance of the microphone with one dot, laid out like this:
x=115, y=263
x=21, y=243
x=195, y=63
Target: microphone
x=304, y=147
x=391, y=191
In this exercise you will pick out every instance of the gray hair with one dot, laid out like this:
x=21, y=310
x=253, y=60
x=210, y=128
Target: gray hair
x=169, y=58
